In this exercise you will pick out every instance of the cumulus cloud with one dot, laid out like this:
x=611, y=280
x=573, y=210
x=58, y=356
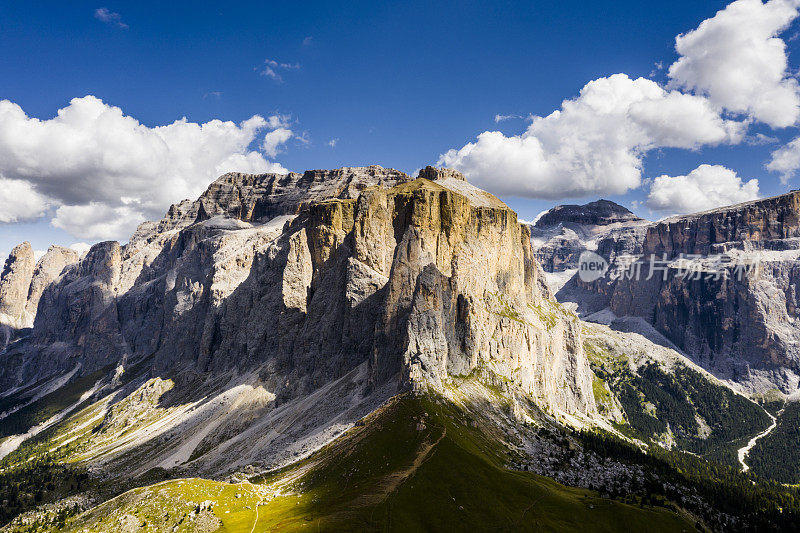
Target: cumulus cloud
x=706, y=187
x=275, y=139
x=19, y=201
x=273, y=68
x=786, y=160
x=110, y=17
x=104, y=171
x=738, y=61
x=97, y=221
x=80, y=247
x=595, y=143
x=732, y=71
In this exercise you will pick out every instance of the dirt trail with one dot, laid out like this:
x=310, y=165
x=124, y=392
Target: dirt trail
x=397, y=478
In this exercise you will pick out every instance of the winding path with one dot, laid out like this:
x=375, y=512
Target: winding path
x=746, y=449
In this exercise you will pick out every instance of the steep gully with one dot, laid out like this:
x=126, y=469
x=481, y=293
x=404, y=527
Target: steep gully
x=743, y=451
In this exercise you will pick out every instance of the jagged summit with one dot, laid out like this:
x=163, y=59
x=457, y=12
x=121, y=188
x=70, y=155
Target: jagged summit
x=24, y=279
x=260, y=197
x=597, y=213
x=565, y=231
x=434, y=173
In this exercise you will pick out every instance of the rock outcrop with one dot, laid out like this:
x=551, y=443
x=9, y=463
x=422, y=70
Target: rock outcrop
x=23, y=281
x=561, y=234
x=15, y=281
x=48, y=269
x=305, y=278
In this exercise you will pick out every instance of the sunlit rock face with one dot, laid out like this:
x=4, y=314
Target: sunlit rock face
x=24, y=279
x=15, y=281
x=306, y=277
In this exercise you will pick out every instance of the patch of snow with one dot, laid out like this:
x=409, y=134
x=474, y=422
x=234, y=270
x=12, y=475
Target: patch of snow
x=604, y=316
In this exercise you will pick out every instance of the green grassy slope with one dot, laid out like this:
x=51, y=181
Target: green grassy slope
x=413, y=466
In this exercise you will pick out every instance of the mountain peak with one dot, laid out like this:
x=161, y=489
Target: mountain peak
x=434, y=173
x=598, y=213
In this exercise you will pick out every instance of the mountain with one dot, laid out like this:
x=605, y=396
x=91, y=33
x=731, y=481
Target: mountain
x=738, y=321
x=597, y=213
x=354, y=349
x=561, y=234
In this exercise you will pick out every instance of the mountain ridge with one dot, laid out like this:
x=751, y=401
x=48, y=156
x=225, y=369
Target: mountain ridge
x=254, y=330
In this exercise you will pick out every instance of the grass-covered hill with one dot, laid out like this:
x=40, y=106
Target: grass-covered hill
x=414, y=465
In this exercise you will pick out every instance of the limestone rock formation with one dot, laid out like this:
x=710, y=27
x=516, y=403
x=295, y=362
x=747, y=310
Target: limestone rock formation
x=48, y=269
x=23, y=281
x=561, y=234
x=739, y=321
x=304, y=279
x=15, y=281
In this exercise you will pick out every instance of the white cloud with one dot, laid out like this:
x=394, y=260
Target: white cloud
x=786, y=160
x=501, y=118
x=109, y=17
x=706, y=187
x=279, y=121
x=19, y=201
x=91, y=161
x=333, y=142
x=759, y=139
x=96, y=221
x=272, y=69
x=737, y=60
x=274, y=139
x=595, y=143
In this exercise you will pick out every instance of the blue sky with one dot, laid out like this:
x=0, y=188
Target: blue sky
x=395, y=85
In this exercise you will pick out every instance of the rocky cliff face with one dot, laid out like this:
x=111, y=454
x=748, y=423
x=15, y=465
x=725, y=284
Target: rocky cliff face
x=305, y=278
x=23, y=281
x=15, y=281
x=48, y=269
x=740, y=322
x=769, y=224
x=563, y=233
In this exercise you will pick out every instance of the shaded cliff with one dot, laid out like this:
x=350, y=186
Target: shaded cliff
x=23, y=280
